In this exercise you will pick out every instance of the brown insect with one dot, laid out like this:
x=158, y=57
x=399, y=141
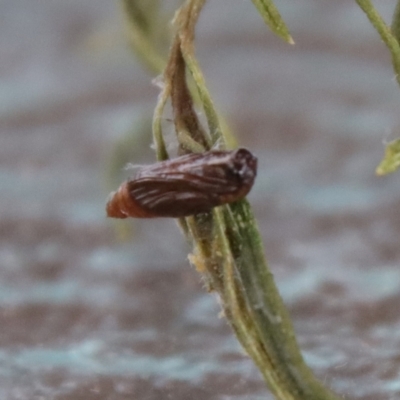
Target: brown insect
x=186, y=185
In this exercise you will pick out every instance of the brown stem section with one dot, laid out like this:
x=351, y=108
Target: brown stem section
x=185, y=117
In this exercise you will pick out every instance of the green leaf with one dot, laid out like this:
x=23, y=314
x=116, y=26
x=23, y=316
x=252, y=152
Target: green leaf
x=384, y=32
x=391, y=160
x=273, y=19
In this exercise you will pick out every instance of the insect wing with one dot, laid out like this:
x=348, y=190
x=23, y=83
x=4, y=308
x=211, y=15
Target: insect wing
x=186, y=185
x=169, y=197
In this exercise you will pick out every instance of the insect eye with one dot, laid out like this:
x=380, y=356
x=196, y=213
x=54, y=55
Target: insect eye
x=245, y=164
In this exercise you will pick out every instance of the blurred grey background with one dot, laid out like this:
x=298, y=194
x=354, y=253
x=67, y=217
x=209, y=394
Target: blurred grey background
x=90, y=309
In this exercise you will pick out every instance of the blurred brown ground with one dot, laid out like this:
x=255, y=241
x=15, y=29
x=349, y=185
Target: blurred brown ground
x=85, y=316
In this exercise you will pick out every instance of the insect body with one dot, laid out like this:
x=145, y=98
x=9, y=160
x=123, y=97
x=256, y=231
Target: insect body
x=186, y=185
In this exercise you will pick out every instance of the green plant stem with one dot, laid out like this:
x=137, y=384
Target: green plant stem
x=161, y=148
x=384, y=32
x=395, y=26
x=267, y=328
x=228, y=249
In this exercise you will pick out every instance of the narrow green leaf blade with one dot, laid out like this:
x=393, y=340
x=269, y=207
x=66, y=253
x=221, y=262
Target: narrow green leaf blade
x=384, y=31
x=273, y=19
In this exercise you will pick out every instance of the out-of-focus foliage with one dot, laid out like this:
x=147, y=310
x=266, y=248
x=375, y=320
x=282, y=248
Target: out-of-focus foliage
x=391, y=160
x=384, y=31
